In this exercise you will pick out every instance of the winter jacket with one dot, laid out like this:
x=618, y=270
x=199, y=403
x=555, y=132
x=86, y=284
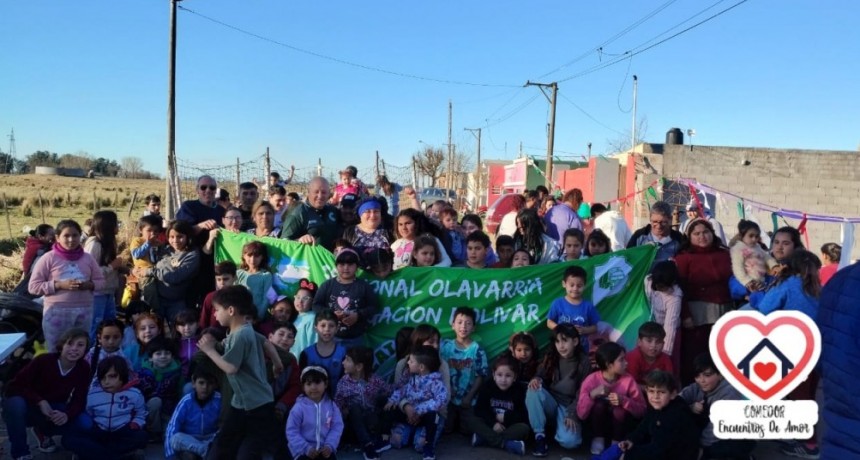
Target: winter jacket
x=176, y=273
x=666, y=433
x=426, y=393
x=789, y=295
x=693, y=393
x=112, y=411
x=366, y=393
x=52, y=267
x=642, y=237
x=839, y=321
x=33, y=249
x=566, y=380
x=625, y=386
x=192, y=417
x=313, y=425
x=492, y=400
x=163, y=383
x=705, y=274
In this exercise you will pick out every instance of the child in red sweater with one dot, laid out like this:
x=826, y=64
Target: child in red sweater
x=609, y=398
x=648, y=355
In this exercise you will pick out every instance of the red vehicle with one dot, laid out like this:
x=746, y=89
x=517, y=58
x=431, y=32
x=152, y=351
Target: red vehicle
x=510, y=202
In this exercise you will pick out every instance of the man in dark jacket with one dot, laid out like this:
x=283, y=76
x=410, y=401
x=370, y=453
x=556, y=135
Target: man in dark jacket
x=659, y=232
x=839, y=321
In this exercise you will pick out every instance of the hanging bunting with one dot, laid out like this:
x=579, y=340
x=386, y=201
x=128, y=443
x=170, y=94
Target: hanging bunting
x=653, y=193
x=801, y=228
x=741, y=214
x=775, y=219
x=695, y=196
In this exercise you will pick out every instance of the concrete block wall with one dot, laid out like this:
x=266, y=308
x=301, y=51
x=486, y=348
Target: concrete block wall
x=812, y=181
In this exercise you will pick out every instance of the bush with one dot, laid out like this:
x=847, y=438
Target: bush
x=27, y=210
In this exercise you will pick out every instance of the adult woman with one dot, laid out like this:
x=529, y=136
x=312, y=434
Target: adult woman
x=704, y=266
x=785, y=241
x=547, y=204
x=831, y=254
x=101, y=245
x=263, y=214
x=390, y=191
x=659, y=232
x=368, y=233
x=530, y=236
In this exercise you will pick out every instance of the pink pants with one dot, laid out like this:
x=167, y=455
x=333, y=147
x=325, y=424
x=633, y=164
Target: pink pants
x=57, y=320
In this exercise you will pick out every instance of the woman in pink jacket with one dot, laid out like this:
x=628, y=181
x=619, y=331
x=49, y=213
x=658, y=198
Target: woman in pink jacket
x=66, y=277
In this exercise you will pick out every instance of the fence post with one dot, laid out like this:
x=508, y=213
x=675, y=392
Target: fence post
x=41, y=206
x=6, y=211
x=95, y=202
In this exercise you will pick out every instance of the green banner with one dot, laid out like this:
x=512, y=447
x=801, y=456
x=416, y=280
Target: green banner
x=506, y=300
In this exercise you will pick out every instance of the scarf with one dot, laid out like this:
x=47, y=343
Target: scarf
x=66, y=254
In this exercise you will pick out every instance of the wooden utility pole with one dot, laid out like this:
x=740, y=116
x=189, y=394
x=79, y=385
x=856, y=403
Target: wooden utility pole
x=172, y=203
x=377, y=163
x=478, y=169
x=238, y=180
x=633, y=130
x=553, y=87
x=449, y=177
x=268, y=168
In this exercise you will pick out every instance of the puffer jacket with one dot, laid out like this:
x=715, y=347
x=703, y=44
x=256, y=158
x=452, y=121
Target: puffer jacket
x=839, y=321
x=426, y=393
x=112, y=411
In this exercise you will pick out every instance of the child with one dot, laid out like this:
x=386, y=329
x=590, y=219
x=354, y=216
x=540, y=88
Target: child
x=67, y=277
x=412, y=223
x=175, y=272
x=609, y=398
x=118, y=416
x=472, y=223
x=360, y=396
x=194, y=423
x=161, y=383
x=131, y=312
x=101, y=245
x=668, y=429
x=326, y=353
x=505, y=251
x=422, y=335
x=145, y=253
x=225, y=275
x=664, y=295
x=352, y=301
x=380, y=262
x=522, y=348
x=37, y=244
x=249, y=423
x=467, y=363
x=315, y=424
x=186, y=332
x=477, y=245
x=648, y=355
x=419, y=401
x=286, y=386
x=709, y=388
x=254, y=274
x=109, y=339
x=424, y=252
x=553, y=392
x=306, y=335
x=402, y=345
x=574, y=241
x=750, y=262
x=153, y=205
x=48, y=394
x=146, y=328
x=597, y=243
x=572, y=308
x=521, y=258
x=282, y=311
x=448, y=219
x=501, y=418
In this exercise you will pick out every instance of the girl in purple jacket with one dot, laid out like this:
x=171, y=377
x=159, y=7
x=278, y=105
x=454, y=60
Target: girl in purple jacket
x=315, y=424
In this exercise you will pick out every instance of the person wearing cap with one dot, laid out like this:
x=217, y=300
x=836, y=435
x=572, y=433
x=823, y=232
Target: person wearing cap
x=693, y=213
x=349, y=183
x=348, y=211
x=314, y=221
x=369, y=233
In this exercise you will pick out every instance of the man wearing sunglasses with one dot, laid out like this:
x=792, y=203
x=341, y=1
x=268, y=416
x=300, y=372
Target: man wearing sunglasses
x=204, y=214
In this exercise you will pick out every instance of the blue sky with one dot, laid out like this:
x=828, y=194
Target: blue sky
x=92, y=76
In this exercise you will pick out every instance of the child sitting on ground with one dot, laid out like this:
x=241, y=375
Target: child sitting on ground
x=360, y=396
x=648, y=354
x=195, y=420
x=161, y=384
x=108, y=340
x=501, y=419
x=315, y=425
x=522, y=347
x=117, y=415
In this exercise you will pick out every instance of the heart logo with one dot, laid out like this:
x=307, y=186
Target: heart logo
x=343, y=302
x=765, y=357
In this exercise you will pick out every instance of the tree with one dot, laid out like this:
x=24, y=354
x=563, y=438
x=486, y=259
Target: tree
x=621, y=143
x=131, y=166
x=42, y=158
x=429, y=163
x=77, y=160
x=106, y=167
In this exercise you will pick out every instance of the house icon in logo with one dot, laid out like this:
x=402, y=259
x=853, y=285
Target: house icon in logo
x=745, y=364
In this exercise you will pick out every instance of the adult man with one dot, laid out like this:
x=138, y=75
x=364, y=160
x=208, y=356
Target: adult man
x=564, y=216
x=205, y=215
x=275, y=178
x=612, y=224
x=314, y=221
x=248, y=195
x=659, y=232
x=278, y=200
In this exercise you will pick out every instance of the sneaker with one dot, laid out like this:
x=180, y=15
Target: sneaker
x=478, y=441
x=541, y=449
x=800, y=450
x=429, y=452
x=598, y=445
x=46, y=444
x=381, y=445
x=515, y=447
x=370, y=452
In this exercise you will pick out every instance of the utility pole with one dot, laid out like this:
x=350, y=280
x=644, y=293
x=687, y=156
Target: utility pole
x=478, y=169
x=449, y=177
x=414, y=173
x=11, y=157
x=268, y=167
x=553, y=87
x=633, y=131
x=172, y=198
x=319, y=167
x=238, y=179
x=377, y=162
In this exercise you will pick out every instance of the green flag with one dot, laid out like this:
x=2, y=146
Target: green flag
x=506, y=300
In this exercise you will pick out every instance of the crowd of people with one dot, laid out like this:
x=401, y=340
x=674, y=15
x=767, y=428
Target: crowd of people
x=209, y=360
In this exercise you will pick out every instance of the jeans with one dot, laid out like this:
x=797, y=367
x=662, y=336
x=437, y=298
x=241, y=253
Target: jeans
x=100, y=444
x=196, y=444
x=104, y=307
x=479, y=426
x=362, y=422
x=542, y=406
x=154, y=422
x=18, y=415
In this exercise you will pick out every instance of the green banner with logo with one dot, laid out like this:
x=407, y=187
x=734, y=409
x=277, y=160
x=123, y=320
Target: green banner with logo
x=506, y=300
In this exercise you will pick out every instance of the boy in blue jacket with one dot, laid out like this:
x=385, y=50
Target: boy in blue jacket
x=195, y=420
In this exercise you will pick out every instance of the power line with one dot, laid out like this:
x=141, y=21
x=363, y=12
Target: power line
x=589, y=115
x=343, y=61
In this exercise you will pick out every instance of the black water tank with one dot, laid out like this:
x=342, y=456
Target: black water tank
x=674, y=137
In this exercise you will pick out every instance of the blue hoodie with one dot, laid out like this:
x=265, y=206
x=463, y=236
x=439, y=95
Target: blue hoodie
x=192, y=418
x=112, y=411
x=426, y=393
x=313, y=426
